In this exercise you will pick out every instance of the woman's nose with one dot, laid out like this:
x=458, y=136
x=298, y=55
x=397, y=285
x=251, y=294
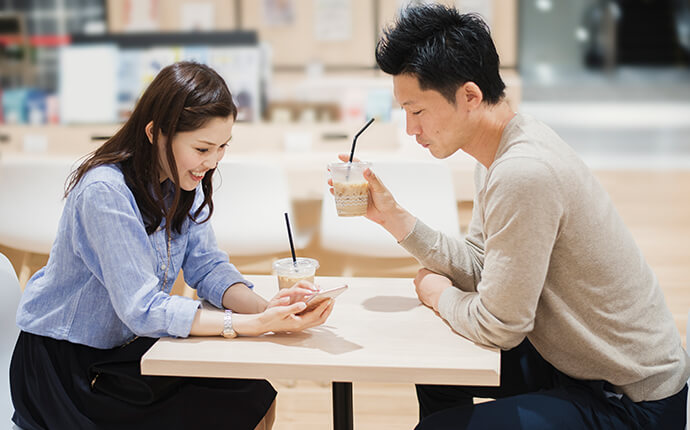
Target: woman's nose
x=211, y=162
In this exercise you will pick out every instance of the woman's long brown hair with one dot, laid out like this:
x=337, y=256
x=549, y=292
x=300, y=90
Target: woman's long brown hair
x=182, y=97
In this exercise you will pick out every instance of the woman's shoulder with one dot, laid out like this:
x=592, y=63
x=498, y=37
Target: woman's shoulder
x=104, y=176
x=104, y=173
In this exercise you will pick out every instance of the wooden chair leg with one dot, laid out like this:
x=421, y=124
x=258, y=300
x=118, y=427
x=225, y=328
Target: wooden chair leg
x=188, y=291
x=25, y=269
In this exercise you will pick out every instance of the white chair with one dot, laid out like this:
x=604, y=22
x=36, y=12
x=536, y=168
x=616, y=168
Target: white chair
x=31, y=192
x=10, y=291
x=250, y=199
x=425, y=188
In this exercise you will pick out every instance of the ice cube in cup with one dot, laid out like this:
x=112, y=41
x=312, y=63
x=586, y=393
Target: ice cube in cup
x=289, y=273
x=350, y=188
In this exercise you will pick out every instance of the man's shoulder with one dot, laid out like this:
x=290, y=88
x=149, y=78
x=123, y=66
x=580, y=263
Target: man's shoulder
x=521, y=165
x=523, y=178
x=531, y=150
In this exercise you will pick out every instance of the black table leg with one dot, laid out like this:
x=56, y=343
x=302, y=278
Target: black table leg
x=342, y=406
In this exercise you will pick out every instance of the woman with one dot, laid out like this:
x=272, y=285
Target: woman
x=137, y=212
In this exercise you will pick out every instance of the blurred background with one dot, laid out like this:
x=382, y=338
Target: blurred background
x=612, y=77
x=605, y=73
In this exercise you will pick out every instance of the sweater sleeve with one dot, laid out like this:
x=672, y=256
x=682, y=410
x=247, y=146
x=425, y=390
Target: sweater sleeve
x=522, y=213
x=461, y=261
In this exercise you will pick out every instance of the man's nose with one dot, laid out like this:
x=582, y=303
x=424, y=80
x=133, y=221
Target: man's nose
x=411, y=126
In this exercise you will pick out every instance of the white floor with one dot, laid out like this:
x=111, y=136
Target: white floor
x=632, y=118
x=621, y=135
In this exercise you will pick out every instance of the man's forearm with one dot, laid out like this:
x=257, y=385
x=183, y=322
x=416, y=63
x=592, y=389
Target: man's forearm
x=399, y=223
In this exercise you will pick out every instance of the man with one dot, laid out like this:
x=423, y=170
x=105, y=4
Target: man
x=547, y=271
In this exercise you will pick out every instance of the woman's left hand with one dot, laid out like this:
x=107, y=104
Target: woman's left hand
x=299, y=292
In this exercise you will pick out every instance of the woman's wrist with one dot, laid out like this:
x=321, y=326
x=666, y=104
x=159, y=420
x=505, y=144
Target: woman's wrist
x=207, y=323
x=262, y=305
x=248, y=324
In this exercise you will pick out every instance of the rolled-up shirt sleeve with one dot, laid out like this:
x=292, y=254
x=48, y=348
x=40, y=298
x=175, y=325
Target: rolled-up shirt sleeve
x=110, y=237
x=207, y=268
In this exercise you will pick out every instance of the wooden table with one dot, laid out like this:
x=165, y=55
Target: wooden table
x=378, y=332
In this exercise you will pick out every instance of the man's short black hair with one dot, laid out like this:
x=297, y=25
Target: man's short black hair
x=443, y=49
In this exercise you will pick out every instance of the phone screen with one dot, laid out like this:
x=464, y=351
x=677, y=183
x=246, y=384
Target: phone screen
x=318, y=298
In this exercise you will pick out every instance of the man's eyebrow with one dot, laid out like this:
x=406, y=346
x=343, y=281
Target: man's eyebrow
x=407, y=103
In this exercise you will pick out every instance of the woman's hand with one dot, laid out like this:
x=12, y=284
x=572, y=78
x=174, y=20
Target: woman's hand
x=282, y=319
x=382, y=207
x=299, y=320
x=297, y=293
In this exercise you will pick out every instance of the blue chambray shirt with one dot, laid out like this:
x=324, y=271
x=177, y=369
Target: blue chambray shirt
x=103, y=282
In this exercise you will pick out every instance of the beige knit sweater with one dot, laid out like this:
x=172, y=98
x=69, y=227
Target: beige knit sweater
x=547, y=256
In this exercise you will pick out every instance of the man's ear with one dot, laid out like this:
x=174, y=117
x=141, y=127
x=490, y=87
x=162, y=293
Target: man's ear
x=149, y=131
x=469, y=94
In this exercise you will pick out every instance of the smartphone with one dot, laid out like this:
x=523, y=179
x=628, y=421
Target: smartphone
x=318, y=298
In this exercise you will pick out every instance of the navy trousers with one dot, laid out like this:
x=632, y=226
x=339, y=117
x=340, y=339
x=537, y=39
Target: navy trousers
x=534, y=395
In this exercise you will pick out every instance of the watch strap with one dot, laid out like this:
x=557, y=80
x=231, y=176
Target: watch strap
x=228, y=331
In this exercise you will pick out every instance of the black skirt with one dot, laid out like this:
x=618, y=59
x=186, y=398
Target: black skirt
x=52, y=389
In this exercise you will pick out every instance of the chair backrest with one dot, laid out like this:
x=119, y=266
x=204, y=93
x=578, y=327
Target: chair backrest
x=10, y=292
x=425, y=188
x=31, y=193
x=250, y=198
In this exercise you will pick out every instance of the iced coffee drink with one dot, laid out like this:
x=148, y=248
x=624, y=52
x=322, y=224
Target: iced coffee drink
x=290, y=272
x=350, y=188
x=351, y=198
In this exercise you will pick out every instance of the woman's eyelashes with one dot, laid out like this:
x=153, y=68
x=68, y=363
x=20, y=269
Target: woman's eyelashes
x=220, y=148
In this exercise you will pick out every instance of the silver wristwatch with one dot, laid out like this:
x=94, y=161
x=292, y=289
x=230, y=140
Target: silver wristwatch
x=228, y=331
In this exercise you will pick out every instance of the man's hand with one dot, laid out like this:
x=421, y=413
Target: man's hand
x=429, y=287
x=382, y=207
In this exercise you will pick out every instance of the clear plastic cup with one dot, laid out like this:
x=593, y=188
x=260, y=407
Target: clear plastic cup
x=350, y=188
x=290, y=273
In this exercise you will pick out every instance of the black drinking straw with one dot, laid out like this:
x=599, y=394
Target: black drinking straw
x=354, y=141
x=292, y=246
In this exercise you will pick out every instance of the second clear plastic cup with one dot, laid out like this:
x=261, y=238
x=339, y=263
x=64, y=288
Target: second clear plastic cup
x=350, y=188
x=290, y=273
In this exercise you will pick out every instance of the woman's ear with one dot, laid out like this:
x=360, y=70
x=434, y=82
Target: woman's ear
x=149, y=131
